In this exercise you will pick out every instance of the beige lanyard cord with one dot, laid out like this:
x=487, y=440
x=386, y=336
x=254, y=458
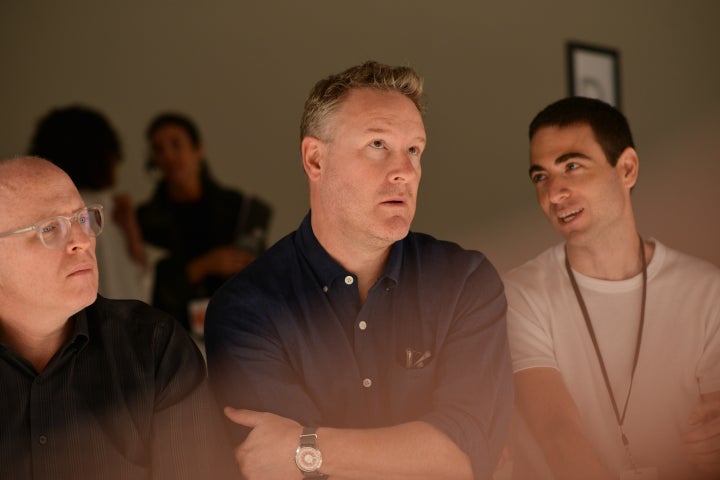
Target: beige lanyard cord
x=620, y=418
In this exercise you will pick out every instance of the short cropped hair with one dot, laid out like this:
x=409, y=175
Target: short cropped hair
x=328, y=93
x=610, y=127
x=80, y=141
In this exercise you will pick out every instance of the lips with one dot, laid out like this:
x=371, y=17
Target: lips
x=83, y=268
x=395, y=195
x=569, y=216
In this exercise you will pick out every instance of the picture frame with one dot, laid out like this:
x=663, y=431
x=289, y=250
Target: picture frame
x=594, y=71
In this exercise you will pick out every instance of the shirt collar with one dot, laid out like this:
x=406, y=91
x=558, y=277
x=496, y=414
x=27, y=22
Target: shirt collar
x=81, y=324
x=322, y=264
x=78, y=338
x=326, y=269
x=80, y=333
x=76, y=342
x=392, y=269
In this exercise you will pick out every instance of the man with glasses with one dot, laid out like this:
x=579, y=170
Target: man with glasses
x=89, y=387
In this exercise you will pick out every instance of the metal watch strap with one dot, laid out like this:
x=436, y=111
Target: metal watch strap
x=308, y=438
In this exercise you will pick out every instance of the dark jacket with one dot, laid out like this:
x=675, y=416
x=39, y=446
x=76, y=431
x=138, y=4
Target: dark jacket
x=221, y=217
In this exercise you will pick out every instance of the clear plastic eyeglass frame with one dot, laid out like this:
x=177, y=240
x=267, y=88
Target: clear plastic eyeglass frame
x=54, y=232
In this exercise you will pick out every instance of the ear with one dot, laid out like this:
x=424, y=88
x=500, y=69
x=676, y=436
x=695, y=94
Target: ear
x=628, y=166
x=313, y=153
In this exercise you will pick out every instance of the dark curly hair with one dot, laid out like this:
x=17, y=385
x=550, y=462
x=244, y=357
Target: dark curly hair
x=82, y=142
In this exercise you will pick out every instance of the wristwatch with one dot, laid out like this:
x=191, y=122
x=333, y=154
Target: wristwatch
x=307, y=456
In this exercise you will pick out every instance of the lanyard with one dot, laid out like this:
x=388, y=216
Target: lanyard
x=620, y=417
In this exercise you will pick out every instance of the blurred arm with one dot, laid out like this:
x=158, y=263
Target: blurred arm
x=702, y=443
x=554, y=420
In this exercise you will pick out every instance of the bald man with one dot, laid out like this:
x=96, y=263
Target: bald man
x=91, y=387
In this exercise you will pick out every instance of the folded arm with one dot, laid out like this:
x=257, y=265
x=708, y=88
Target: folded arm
x=413, y=450
x=702, y=442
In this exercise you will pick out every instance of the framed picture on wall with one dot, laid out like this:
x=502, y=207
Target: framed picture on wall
x=594, y=72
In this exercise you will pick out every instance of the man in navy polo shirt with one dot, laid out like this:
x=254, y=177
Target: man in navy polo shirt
x=357, y=347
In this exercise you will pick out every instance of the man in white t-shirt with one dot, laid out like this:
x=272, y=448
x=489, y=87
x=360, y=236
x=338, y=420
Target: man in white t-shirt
x=615, y=338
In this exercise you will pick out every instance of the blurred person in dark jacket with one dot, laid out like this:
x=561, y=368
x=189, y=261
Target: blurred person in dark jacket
x=209, y=232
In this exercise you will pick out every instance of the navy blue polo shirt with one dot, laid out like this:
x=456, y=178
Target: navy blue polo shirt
x=289, y=335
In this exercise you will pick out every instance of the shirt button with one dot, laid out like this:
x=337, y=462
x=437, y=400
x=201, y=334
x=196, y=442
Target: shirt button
x=325, y=289
x=367, y=383
x=42, y=439
x=349, y=280
x=362, y=325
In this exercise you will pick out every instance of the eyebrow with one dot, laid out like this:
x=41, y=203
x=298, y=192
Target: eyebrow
x=558, y=161
x=386, y=130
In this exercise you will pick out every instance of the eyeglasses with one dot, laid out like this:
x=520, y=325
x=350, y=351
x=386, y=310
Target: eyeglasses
x=54, y=232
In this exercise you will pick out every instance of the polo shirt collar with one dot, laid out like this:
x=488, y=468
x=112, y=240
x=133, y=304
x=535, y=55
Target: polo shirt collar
x=326, y=269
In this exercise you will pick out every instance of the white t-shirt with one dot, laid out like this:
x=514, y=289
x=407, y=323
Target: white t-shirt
x=119, y=276
x=679, y=355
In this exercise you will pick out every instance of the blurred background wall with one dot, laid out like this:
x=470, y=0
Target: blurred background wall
x=242, y=70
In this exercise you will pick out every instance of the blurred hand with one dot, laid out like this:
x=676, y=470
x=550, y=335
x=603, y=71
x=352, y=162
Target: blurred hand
x=123, y=214
x=221, y=261
x=505, y=457
x=702, y=443
x=268, y=451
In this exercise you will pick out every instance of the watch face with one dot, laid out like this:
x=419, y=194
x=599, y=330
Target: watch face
x=308, y=459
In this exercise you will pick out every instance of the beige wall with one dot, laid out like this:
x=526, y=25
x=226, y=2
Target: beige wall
x=242, y=70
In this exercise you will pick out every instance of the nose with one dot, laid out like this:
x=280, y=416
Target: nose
x=557, y=190
x=405, y=168
x=162, y=157
x=78, y=238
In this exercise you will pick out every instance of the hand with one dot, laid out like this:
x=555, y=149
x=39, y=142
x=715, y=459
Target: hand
x=268, y=451
x=222, y=261
x=702, y=443
x=123, y=214
x=505, y=457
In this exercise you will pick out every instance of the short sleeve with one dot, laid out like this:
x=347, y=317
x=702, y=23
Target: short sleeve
x=529, y=330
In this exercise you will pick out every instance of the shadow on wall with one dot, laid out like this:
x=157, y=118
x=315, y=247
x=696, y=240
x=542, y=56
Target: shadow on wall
x=679, y=205
x=513, y=240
